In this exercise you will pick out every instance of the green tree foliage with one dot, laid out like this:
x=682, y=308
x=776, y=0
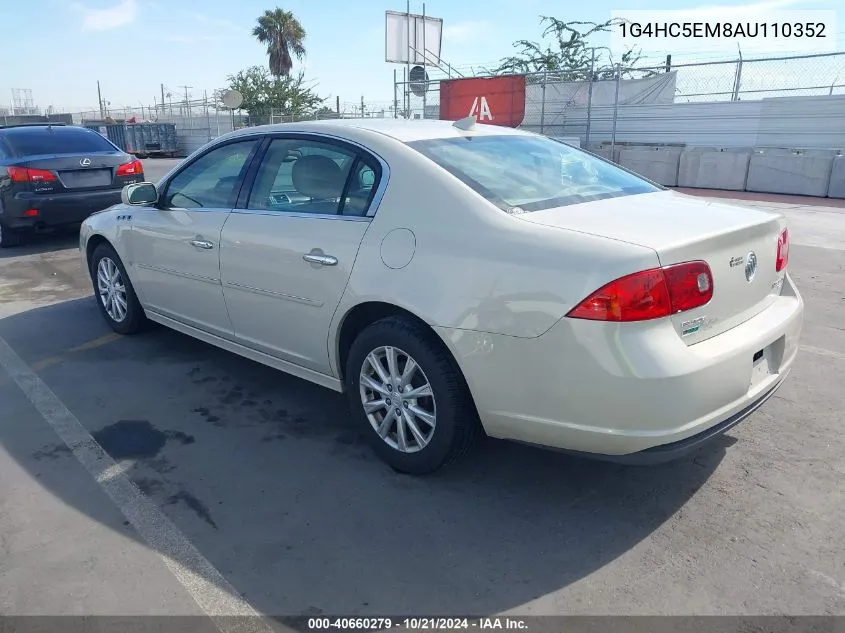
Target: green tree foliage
x=284, y=36
x=264, y=94
x=569, y=54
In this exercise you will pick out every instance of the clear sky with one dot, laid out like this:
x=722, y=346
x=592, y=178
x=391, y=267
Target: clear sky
x=60, y=48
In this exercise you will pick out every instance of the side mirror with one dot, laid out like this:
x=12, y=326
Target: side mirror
x=140, y=193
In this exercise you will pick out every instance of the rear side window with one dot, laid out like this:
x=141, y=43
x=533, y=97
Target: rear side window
x=520, y=174
x=36, y=141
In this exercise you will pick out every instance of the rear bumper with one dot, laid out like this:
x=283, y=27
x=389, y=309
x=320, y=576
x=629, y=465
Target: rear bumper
x=56, y=210
x=667, y=452
x=631, y=391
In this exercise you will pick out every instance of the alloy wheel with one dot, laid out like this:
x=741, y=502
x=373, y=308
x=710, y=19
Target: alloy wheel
x=398, y=399
x=112, y=289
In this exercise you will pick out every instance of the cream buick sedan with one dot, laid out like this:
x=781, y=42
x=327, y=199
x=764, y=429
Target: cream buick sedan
x=460, y=279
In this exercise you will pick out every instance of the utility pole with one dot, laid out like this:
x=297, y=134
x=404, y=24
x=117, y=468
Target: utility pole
x=162, y=100
x=100, y=99
x=186, y=95
x=187, y=112
x=362, y=106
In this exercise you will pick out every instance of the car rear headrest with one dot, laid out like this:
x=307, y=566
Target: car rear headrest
x=317, y=177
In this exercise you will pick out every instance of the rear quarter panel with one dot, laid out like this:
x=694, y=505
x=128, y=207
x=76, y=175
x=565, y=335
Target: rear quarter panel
x=473, y=266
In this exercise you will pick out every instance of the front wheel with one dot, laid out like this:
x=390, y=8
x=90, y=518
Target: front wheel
x=409, y=397
x=114, y=292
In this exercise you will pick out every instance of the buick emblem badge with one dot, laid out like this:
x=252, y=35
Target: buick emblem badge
x=750, y=266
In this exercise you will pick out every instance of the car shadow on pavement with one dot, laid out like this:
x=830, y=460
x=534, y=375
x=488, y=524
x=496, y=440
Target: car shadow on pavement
x=264, y=475
x=43, y=243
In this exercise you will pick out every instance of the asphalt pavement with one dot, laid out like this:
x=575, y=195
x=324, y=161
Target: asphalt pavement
x=251, y=494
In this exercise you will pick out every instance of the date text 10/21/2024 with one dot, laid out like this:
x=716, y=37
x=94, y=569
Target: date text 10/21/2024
x=416, y=624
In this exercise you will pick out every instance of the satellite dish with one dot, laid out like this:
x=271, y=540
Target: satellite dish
x=418, y=80
x=232, y=99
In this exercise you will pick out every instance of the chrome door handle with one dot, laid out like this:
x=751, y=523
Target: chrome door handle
x=323, y=260
x=202, y=244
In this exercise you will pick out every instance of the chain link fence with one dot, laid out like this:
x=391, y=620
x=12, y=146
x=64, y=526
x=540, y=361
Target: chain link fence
x=346, y=110
x=198, y=121
x=595, y=103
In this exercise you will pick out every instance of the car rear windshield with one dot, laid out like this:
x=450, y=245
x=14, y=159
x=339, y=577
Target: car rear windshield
x=37, y=141
x=530, y=173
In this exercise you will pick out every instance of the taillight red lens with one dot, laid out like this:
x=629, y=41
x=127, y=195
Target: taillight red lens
x=28, y=174
x=41, y=175
x=636, y=297
x=19, y=174
x=135, y=168
x=649, y=294
x=690, y=285
x=782, y=258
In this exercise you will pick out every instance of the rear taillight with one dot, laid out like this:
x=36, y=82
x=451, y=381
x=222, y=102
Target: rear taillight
x=28, y=174
x=782, y=258
x=690, y=285
x=649, y=294
x=134, y=168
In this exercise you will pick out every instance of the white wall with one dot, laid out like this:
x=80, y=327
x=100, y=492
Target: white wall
x=800, y=122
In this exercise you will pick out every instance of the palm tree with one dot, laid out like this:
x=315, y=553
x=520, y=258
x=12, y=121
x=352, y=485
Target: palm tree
x=283, y=35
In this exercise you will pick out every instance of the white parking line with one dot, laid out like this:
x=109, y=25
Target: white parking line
x=207, y=586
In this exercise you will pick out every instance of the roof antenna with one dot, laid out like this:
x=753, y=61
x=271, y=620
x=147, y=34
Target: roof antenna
x=466, y=124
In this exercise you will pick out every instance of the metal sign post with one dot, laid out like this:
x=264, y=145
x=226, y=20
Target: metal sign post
x=413, y=41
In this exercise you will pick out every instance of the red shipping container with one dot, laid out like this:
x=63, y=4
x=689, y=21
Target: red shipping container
x=492, y=100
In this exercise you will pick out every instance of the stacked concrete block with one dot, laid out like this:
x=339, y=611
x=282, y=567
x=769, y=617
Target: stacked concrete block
x=714, y=168
x=800, y=171
x=659, y=164
x=603, y=150
x=796, y=172
x=836, y=189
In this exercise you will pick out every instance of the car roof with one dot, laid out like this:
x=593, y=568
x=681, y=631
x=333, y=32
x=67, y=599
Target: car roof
x=25, y=128
x=400, y=129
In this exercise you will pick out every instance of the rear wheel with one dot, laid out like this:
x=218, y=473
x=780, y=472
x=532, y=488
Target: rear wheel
x=408, y=397
x=8, y=238
x=114, y=292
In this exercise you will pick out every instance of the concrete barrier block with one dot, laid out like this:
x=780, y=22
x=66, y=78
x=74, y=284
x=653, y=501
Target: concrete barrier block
x=813, y=151
x=836, y=189
x=658, y=164
x=604, y=152
x=714, y=168
x=796, y=174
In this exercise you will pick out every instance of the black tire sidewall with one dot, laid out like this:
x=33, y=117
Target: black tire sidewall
x=446, y=383
x=134, y=312
x=9, y=238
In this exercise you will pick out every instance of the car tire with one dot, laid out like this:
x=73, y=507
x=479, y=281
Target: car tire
x=126, y=316
x=450, y=407
x=9, y=238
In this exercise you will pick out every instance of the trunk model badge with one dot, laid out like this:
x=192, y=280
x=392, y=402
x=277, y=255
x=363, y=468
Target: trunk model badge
x=85, y=162
x=750, y=266
x=736, y=261
x=697, y=325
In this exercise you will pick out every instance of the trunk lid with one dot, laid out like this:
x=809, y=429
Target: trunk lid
x=80, y=172
x=681, y=228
